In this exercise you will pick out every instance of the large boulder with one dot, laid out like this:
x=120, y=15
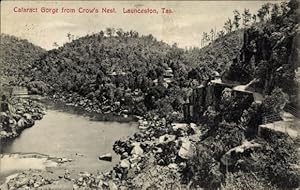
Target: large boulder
x=176, y=126
x=112, y=185
x=166, y=139
x=37, y=116
x=231, y=157
x=187, y=149
x=3, y=116
x=5, y=121
x=3, y=134
x=106, y=157
x=27, y=116
x=125, y=163
x=137, y=150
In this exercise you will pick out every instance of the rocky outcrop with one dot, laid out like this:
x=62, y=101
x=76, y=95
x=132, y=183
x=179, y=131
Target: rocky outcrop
x=232, y=156
x=21, y=115
x=27, y=180
x=210, y=96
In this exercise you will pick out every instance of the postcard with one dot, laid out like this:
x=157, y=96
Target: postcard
x=149, y=95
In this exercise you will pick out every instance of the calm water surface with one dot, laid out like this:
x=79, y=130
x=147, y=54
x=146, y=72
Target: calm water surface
x=66, y=132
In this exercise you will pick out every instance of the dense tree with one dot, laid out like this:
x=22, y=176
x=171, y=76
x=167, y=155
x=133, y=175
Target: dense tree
x=212, y=35
x=228, y=25
x=55, y=44
x=264, y=11
x=246, y=17
x=110, y=32
x=205, y=38
x=236, y=18
x=221, y=34
x=69, y=36
x=275, y=12
x=254, y=17
x=275, y=102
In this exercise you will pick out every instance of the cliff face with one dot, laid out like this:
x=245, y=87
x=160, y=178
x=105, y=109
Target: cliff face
x=218, y=97
x=269, y=53
x=268, y=58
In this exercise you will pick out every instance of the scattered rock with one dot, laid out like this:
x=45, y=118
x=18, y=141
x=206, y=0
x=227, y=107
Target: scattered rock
x=157, y=150
x=112, y=185
x=84, y=174
x=124, y=155
x=173, y=166
x=106, y=157
x=63, y=160
x=137, y=149
x=27, y=116
x=78, y=154
x=166, y=138
x=186, y=150
x=125, y=163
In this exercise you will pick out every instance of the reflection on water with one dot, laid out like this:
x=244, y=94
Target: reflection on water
x=71, y=133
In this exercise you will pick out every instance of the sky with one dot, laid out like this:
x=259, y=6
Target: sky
x=184, y=26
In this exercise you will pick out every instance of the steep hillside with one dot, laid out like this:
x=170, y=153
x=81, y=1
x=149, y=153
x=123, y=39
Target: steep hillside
x=111, y=68
x=106, y=66
x=15, y=56
x=218, y=54
x=270, y=52
x=100, y=55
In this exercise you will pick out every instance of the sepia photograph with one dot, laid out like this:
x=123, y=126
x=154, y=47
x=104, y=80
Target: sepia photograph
x=150, y=95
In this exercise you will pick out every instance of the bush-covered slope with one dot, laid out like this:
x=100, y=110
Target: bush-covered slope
x=106, y=69
x=98, y=55
x=218, y=54
x=107, y=66
x=16, y=55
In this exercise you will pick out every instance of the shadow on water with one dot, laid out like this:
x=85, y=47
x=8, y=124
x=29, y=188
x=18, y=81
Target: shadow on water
x=93, y=116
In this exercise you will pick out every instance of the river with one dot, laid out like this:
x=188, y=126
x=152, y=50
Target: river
x=68, y=132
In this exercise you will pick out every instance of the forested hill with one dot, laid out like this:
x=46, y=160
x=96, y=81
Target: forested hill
x=111, y=62
x=109, y=52
x=95, y=59
x=16, y=54
x=110, y=67
x=120, y=52
x=102, y=54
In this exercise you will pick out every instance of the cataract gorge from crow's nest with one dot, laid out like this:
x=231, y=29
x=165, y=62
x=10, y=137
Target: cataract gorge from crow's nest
x=118, y=109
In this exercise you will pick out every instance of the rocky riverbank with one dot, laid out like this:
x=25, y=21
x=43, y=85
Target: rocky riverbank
x=90, y=105
x=165, y=155
x=159, y=155
x=159, y=149
x=156, y=156
x=21, y=114
x=34, y=169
